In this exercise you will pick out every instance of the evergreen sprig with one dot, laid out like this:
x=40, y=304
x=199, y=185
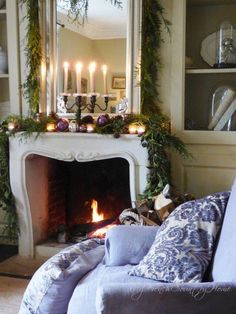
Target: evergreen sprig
x=152, y=24
x=7, y=201
x=78, y=9
x=33, y=52
x=159, y=141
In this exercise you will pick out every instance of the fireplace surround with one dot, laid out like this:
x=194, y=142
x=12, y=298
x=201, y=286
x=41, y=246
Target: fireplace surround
x=65, y=147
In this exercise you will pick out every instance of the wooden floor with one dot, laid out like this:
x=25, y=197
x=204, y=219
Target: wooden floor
x=21, y=267
x=11, y=293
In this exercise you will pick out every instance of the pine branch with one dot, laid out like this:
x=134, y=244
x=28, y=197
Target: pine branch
x=33, y=52
x=152, y=21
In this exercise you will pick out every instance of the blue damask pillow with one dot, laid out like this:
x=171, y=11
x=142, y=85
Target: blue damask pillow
x=184, y=245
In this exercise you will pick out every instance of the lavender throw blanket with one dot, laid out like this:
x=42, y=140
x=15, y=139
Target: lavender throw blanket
x=51, y=287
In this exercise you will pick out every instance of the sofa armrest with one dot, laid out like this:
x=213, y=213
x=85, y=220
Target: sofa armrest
x=165, y=298
x=128, y=244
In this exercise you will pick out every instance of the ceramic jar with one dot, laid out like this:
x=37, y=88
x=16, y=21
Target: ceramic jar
x=3, y=61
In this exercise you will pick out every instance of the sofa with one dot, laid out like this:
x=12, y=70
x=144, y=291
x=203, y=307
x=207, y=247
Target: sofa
x=186, y=266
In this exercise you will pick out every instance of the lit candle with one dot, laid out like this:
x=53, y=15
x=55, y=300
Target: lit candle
x=79, y=66
x=104, y=72
x=66, y=70
x=92, y=68
x=90, y=128
x=11, y=126
x=132, y=129
x=141, y=129
x=51, y=127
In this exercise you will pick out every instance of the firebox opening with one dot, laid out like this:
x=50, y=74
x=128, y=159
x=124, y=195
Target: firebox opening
x=63, y=194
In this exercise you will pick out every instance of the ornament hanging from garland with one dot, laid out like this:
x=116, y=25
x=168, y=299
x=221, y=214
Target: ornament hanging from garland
x=62, y=125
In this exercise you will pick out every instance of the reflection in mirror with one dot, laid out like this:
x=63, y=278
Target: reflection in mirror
x=92, y=57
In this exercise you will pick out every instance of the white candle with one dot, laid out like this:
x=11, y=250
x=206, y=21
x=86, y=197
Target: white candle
x=104, y=72
x=92, y=68
x=79, y=66
x=66, y=69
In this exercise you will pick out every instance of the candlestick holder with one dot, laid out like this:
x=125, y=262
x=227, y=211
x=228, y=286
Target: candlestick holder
x=65, y=98
x=90, y=106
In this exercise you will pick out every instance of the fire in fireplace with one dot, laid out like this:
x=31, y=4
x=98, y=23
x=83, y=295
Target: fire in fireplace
x=73, y=199
x=95, y=215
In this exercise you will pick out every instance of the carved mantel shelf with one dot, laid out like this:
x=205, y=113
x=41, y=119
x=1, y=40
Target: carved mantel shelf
x=69, y=147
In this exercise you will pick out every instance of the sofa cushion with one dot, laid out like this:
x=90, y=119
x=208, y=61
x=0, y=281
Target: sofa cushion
x=51, y=287
x=224, y=268
x=183, y=247
x=128, y=244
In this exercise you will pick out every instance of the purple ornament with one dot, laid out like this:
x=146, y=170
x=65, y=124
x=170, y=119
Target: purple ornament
x=82, y=128
x=103, y=120
x=62, y=125
x=87, y=119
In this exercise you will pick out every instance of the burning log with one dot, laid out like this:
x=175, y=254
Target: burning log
x=101, y=233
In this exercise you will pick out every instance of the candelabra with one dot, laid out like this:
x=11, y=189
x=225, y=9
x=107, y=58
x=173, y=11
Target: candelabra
x=81, y=105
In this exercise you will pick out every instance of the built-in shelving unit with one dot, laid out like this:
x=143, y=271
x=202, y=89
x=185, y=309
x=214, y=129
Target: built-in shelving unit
x=9, y=82
x=202, y=19
x=194, y=81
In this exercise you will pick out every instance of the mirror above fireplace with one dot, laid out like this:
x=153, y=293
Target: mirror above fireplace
x=100, y=39
x=123, y=42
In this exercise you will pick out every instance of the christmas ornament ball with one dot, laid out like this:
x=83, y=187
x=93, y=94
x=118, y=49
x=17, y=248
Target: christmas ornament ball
x=102, y=120
x=62, y=125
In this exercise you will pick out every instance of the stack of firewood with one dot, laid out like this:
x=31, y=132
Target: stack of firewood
x=154, y=211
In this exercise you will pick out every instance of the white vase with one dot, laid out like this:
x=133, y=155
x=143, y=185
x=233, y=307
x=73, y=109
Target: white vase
x=2, y=3
x=3, y=61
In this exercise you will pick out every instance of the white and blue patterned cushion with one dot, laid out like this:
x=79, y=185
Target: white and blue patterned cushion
x=183, y=247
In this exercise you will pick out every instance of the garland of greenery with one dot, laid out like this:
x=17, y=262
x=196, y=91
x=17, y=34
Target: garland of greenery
x=33, y=52
x=7, y=201
x=152, y=23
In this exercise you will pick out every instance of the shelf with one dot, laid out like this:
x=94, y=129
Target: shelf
x=210, y=71
x=3, y=11
x=4, y=75
x=209, y=2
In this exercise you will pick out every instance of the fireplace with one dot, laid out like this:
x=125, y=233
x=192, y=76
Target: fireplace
x=70, y=160
x=75, y=198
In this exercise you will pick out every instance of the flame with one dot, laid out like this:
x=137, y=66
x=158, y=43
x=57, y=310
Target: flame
x=95, y=215
x=101, y=233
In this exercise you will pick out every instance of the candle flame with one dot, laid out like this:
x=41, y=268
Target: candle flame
x=66, y=64
x=104, y=69
x=92, y=67
x=79, y=66
x=95, y=215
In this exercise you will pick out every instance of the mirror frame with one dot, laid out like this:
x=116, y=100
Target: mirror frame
x=48, y=11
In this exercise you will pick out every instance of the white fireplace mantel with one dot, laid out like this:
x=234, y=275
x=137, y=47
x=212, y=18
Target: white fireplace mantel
x=69, y=147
